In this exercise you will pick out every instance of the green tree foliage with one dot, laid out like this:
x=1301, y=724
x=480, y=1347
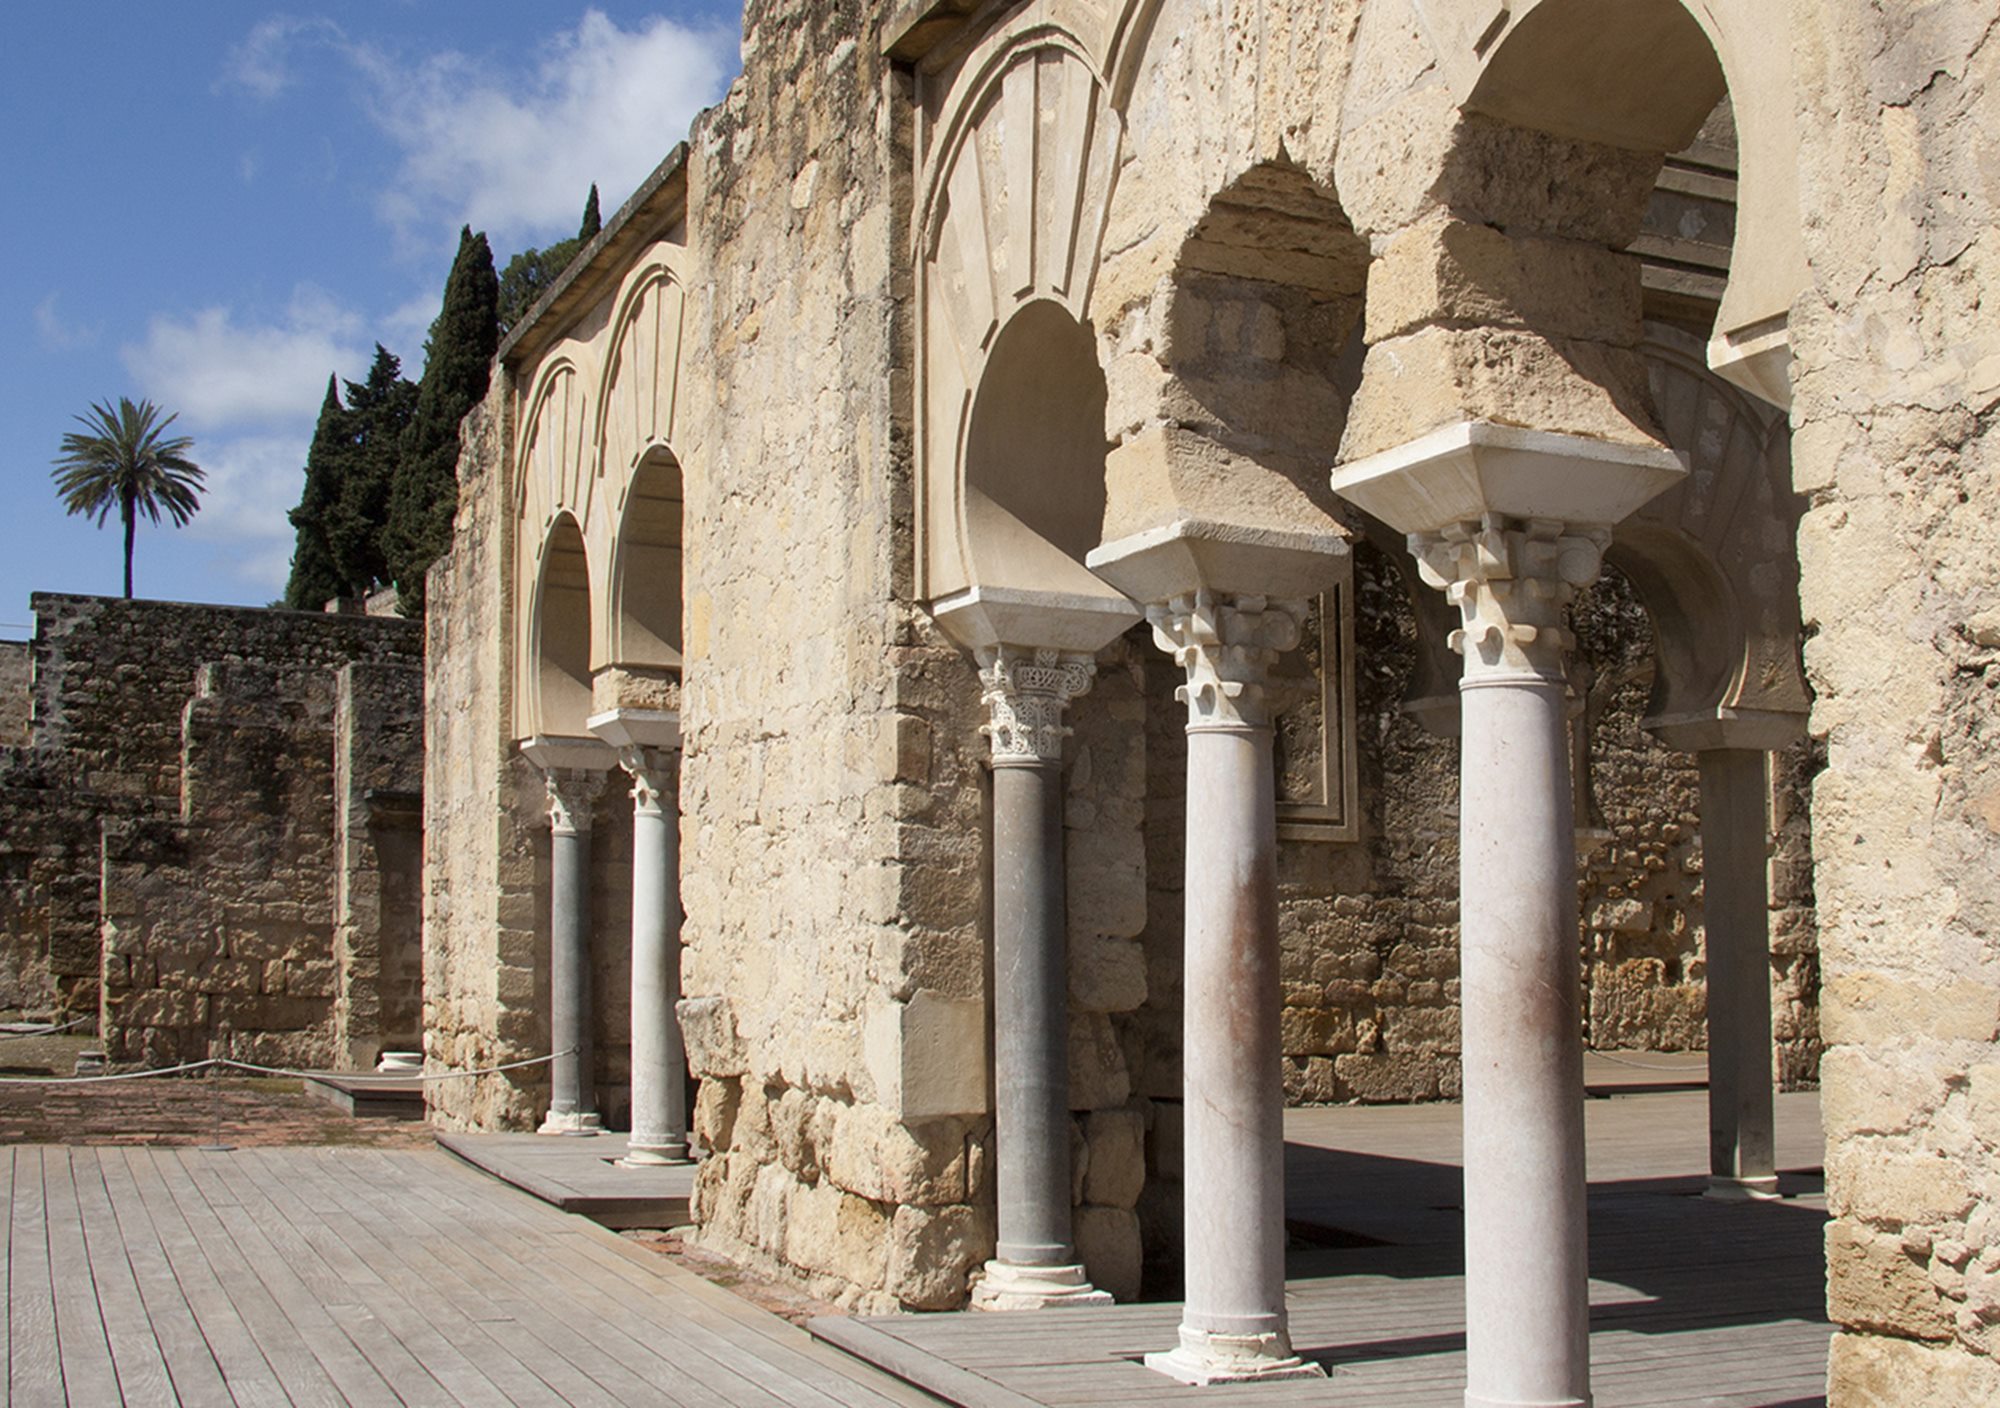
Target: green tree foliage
x=379, y=410
x=532, y=272
x=127, y=461
x=458, y=359
x=315, y=579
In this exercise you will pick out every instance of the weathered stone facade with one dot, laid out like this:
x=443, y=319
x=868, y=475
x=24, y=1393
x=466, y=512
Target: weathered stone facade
x=944, y=303
x=169, y=830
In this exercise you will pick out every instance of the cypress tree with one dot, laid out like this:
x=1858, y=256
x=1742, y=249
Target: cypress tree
x=532, y=272
x=378, y=411
x=458, y=358
x=315, y=579
x=592, y=221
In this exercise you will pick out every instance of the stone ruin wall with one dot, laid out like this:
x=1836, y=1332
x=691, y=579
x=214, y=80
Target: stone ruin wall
x=17, y=668
x=1897, y=448
x=166, y=832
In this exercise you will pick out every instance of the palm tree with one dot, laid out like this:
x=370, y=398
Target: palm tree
x=128, y=461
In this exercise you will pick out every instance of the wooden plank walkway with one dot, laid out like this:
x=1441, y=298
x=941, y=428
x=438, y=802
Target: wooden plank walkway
x=1694, y=1302
x=580, y=1174
x=336, y=1276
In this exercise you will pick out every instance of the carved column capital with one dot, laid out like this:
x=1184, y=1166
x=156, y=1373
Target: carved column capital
x=1026, y=691
x=1227, y=644
x=572, y=793
x=655, y=774
x=1510, y=580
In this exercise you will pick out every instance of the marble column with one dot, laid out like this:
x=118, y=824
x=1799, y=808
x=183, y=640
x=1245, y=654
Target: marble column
x=1233, y=1325
x=1742, y=1155
x=1509, y=522
x=1026, y=693
x=659, y=1059
x=572, y=791
x=1526, y=1243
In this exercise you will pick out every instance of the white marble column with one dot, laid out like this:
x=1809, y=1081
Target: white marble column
x=1526, y=1242
x=572, y=792
x=1233, y=1326
x=1509, y=522
x=1735, y=851
x=659, y=1059
x=1026, y=693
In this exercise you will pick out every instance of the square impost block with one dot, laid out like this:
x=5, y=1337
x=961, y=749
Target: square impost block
x=982, y=618
x=552, y=752
x=1465, y=472
x=637, y=728
x=1192, y=555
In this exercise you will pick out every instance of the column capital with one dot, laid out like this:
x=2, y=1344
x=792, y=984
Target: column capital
x=1227, y=644
x=572, y=792
x=1511, y=580
x=655, y=774
x=1027, y=688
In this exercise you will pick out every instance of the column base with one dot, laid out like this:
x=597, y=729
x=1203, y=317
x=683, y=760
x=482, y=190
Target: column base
x=1474, y=1400
x=1204, y=1359
x=1004, y=1286
x=656, y=1155
x=571, y=1122
x=1743, y=1190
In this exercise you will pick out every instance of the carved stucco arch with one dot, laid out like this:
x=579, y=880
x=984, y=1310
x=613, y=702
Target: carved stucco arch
x=1646, y=82
x=554, y=681
x=554, y=482
x=1010, y=219
x=635, y=430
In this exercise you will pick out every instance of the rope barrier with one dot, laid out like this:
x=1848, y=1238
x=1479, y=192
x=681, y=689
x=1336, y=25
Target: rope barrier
x=47, y=1031
x=1646, y=1065
x=221, y=1062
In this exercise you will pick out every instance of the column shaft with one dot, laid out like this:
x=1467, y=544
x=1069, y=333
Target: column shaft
x=1031, y=1015
x=572, y=1096
x=1036, y=1266
x=659, y=1059
x=1234, y=1085
x=1526, y=1247
x=1742, y=1156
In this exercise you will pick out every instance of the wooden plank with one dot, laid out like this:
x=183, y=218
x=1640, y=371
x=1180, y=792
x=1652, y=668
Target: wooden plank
x=34, y=1366
x=191, y=1365
x=308, y=1316
x=310, y=1366
x=707, y=1320
x=89, y=1375
x=360, y=1301
x=250, y=1377
x=135, y=1347
x=488, y=1302
x=914, y=1366
x=7, y=1156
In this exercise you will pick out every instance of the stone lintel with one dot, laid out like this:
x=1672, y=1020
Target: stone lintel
x=1194, y=555
x=985, y=618
x=1474, y=469
x=636, y=728
x=1756, y=730
x=554, y=752
x=1756, y=358
x=916, y=27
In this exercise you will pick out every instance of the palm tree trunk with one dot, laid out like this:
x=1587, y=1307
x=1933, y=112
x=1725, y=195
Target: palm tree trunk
x=131, y=521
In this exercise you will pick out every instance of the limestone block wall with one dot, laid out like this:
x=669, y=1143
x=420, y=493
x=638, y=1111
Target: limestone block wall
x=378, y=843
x=1896, y=443
x=111, y=683
x=16, y=673
x=217, y=924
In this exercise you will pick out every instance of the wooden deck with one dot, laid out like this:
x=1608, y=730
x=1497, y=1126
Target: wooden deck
x=332, y=1276
x=581, y=1175
x=1694, y=1302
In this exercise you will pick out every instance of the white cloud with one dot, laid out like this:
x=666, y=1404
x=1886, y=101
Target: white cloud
x=218, y=372
x=261, y=64
x=57, y=333
x=251, y=481
x=513, y=155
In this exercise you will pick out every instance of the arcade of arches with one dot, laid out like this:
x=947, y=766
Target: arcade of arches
x=1071, y=571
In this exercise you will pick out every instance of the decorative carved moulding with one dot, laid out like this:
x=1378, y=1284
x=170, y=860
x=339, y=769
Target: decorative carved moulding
x=1027, y=690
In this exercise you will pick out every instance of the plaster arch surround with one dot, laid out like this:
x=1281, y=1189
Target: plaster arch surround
x=598, y=424
x=1644, y=78
x=1011, y=395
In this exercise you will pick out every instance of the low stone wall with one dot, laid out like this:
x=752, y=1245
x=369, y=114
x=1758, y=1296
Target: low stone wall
x=167, y=856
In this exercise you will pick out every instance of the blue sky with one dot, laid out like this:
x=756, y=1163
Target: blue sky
x=216, y=205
